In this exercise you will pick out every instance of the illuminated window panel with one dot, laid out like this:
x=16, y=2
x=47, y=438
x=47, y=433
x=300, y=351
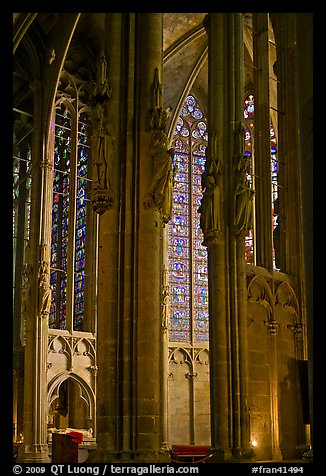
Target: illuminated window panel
x=249, y=114
x=187, y=258
x=69, y=219
x=81, y=220
x=60, y=219
x=275, y=188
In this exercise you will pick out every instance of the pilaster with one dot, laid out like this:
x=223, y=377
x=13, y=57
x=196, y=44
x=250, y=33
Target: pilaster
x=107, y=159
x=37, y=298
x=154, y=164
x=225, y=174
x=264, y=244
x=215, y=237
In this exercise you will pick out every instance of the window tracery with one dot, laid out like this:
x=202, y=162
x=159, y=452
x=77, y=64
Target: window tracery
x=70, y=211
x=188, y=274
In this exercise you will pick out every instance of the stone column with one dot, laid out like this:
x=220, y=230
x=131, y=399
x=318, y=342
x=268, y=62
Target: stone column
x=215, y=237
x=35, y=449
x=106, y=125
x=290, y=220
x=22, y=276
x=153, y=163
x=240, y=211
x=264, y=244
x=165, y=353
x=225, y=169
x=304, y=32
x=272, y=327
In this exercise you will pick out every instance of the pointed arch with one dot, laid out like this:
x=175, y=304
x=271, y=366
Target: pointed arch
x=87, y=393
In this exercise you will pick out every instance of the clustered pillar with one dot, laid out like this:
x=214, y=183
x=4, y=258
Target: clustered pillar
x=225, y=239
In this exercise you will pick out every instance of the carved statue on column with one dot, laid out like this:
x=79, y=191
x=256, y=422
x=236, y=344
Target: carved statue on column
x=243, y=197
x=45, y=290
x=165, y=301
x=102, y=144
x=159, y=194
x=157, y=116
x=104, y=90
x=210, y=208
x=25, y=291
x=243, y=194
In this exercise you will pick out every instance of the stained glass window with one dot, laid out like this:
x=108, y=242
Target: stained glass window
x=249, y=114
x=188, y=275
x=69, y=216
x=275, y=188
x=22, y=181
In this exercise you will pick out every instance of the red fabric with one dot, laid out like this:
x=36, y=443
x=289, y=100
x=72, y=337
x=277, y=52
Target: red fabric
x=75, y=436
x=198, y=450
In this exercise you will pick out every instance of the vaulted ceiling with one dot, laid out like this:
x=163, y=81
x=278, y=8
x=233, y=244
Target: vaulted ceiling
x=184, y=50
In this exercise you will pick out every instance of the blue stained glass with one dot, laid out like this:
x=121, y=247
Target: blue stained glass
x=181, y=163
x=61, y=215
x=202, y=295
x=179, y=270
x=180, y=197
x=200, y=131
x=185, y=235
x=180, y=294
x=201, y=322
x=199, y=165
x=180, y=225
x=180, y=318
x=249, y=110
x=202, y=273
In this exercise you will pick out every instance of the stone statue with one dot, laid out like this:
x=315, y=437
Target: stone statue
x=45, y=289
x=102, y=150
x=104, y=90
x=25, y=290
x=165, y=301
x=243, y=196
x=210, y=208
x=159, y=193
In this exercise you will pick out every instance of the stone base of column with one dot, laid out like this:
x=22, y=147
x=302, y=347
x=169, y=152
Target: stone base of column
x=151, y=456
x=277, y=454
x=100, y=455
x=33, y=454
x=242, y=455
x=216, y=455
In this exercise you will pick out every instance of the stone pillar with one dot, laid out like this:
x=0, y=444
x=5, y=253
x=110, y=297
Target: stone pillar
x=165, y=352
x=38, y=300
x=304, y=31
x=215, y=237
x=225, y=169
x=106, y=124
x=264, y=244
x=152, y=159
x=290, y=220
x=240, y=212
x=22, y=293
x=272, y=327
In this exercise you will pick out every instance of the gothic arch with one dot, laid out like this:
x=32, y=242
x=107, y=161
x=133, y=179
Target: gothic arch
x=260, y=293
x=286, y=298
x=86, y=392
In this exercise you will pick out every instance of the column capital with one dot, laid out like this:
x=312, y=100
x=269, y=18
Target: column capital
x=272, y=326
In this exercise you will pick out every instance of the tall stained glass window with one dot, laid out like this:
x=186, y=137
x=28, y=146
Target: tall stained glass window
x=188, y=274
x=249, y=116
x=69, y=219
x=22, y=181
